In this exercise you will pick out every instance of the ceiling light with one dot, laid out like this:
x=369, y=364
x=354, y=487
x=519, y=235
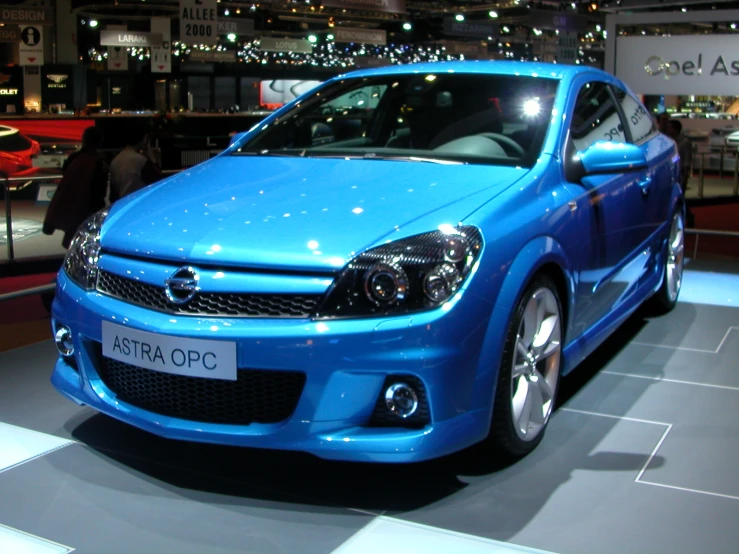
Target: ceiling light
x=312, y=39
x=459, y=17
x=231, y=37
x=93, y=23
x=493, y=14
x=407, y=26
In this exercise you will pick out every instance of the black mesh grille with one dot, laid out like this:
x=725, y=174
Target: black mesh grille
x=382, y=417
x=217, y=304
x=257, y=396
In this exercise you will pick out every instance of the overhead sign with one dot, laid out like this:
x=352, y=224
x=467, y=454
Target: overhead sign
x=212, y=56
x=563, y=21
x=300, y=46
x=21, y=15
x=385, y=6
x=467, y=49
x=236, y=26
x=369, y=61
x=199, y=21
x=117, y=55
x=161, y=56
x=129, y=38
x=31, y=47
x=478, y=29
x=567, y=46
x=10, y=34
x=361, y=36
x=684, y=65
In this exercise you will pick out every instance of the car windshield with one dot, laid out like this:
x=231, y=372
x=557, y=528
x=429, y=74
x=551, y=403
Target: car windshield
x=419, y=117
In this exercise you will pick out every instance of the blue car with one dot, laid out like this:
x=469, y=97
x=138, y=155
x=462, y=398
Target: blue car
x=399, y=264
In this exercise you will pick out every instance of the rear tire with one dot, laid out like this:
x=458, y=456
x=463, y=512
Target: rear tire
x=665, y=299
x=528, y=377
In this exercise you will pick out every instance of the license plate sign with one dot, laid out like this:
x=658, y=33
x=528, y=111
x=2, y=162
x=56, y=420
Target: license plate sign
x=211, y=359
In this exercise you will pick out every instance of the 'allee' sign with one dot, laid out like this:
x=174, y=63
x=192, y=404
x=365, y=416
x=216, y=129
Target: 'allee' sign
x=199, y=21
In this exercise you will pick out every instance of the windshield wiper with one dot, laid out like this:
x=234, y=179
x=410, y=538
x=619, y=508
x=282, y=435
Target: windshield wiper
x=374, y=156
x=282, y=153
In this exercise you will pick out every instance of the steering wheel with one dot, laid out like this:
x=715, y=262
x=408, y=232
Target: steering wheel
x=506, y=142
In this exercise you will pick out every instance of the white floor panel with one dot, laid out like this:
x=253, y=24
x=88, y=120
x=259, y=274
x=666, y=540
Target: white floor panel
x=18, y=445
x=706, y=287
x=13, y=541
x=393, y=536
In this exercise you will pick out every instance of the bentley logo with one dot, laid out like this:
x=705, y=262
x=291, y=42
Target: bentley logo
x=57, y=78
x=182, y=285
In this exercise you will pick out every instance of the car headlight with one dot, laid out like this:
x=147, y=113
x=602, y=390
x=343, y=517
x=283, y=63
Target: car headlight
x=409, y=275
x=81, y=262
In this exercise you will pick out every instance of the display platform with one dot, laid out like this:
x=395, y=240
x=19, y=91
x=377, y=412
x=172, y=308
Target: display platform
x=640, y=456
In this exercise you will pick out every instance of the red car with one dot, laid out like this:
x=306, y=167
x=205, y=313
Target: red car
x=16, y=151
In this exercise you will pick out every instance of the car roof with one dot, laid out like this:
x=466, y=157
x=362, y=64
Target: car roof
x=486, y=67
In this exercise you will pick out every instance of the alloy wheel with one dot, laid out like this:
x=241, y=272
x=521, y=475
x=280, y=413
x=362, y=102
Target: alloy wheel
x=536, y=364
x=675, y=257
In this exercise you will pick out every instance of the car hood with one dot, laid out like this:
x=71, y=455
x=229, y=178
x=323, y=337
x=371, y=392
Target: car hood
x=295, y=213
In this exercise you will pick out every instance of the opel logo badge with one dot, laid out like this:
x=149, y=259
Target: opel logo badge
x=182, y=285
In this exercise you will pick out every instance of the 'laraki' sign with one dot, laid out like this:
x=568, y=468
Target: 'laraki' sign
x=199, y=21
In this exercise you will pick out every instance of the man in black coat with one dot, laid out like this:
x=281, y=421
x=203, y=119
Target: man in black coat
x=82, y=190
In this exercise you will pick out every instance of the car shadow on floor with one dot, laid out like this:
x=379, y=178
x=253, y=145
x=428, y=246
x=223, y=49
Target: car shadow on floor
x=291, y=478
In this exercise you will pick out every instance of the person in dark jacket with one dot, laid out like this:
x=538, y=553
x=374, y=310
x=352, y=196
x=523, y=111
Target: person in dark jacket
x=82, y=189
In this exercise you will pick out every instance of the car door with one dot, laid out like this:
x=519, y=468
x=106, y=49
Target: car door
x=652, y=209
x=606, y=210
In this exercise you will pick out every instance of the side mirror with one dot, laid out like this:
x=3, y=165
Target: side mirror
x=604, y=157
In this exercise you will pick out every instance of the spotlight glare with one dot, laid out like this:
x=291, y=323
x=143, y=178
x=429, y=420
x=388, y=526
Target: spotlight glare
x=531, y=107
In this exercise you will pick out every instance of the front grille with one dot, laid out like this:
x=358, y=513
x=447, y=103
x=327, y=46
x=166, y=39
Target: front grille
x=257, y=396
x=209, y=303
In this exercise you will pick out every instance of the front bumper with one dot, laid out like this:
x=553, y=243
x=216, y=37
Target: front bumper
x=346, y=363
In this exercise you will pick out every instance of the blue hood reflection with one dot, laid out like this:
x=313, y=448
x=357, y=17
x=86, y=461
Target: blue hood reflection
x=295, y=213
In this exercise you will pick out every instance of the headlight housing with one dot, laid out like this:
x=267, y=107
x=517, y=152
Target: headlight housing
x=409, y=275
x=81, y=262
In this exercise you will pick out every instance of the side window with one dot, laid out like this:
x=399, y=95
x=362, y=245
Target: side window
x=637, y=118
x=595, y=117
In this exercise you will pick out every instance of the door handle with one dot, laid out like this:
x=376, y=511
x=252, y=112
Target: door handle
x=645, y=184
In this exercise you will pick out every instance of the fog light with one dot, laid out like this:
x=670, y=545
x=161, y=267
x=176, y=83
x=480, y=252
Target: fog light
x=63, y=340
x=401, y=400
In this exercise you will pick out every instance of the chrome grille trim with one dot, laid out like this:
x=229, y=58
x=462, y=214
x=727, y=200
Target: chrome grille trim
x=297, y=306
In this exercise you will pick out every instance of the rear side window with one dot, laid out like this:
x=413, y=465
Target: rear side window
x=640, y=123
x=14, y=143
x=595, y=117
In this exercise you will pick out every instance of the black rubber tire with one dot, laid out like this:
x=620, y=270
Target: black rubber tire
x=503, y=439
x=660, y=302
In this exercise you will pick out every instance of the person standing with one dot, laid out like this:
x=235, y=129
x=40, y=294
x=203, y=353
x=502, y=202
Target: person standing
x=82, y=189
x=133, y=168
x=662, y=119
x=684, y=148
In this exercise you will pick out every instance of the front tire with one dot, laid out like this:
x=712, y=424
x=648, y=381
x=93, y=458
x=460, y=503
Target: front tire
x=528, y=377
x=665, y=299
